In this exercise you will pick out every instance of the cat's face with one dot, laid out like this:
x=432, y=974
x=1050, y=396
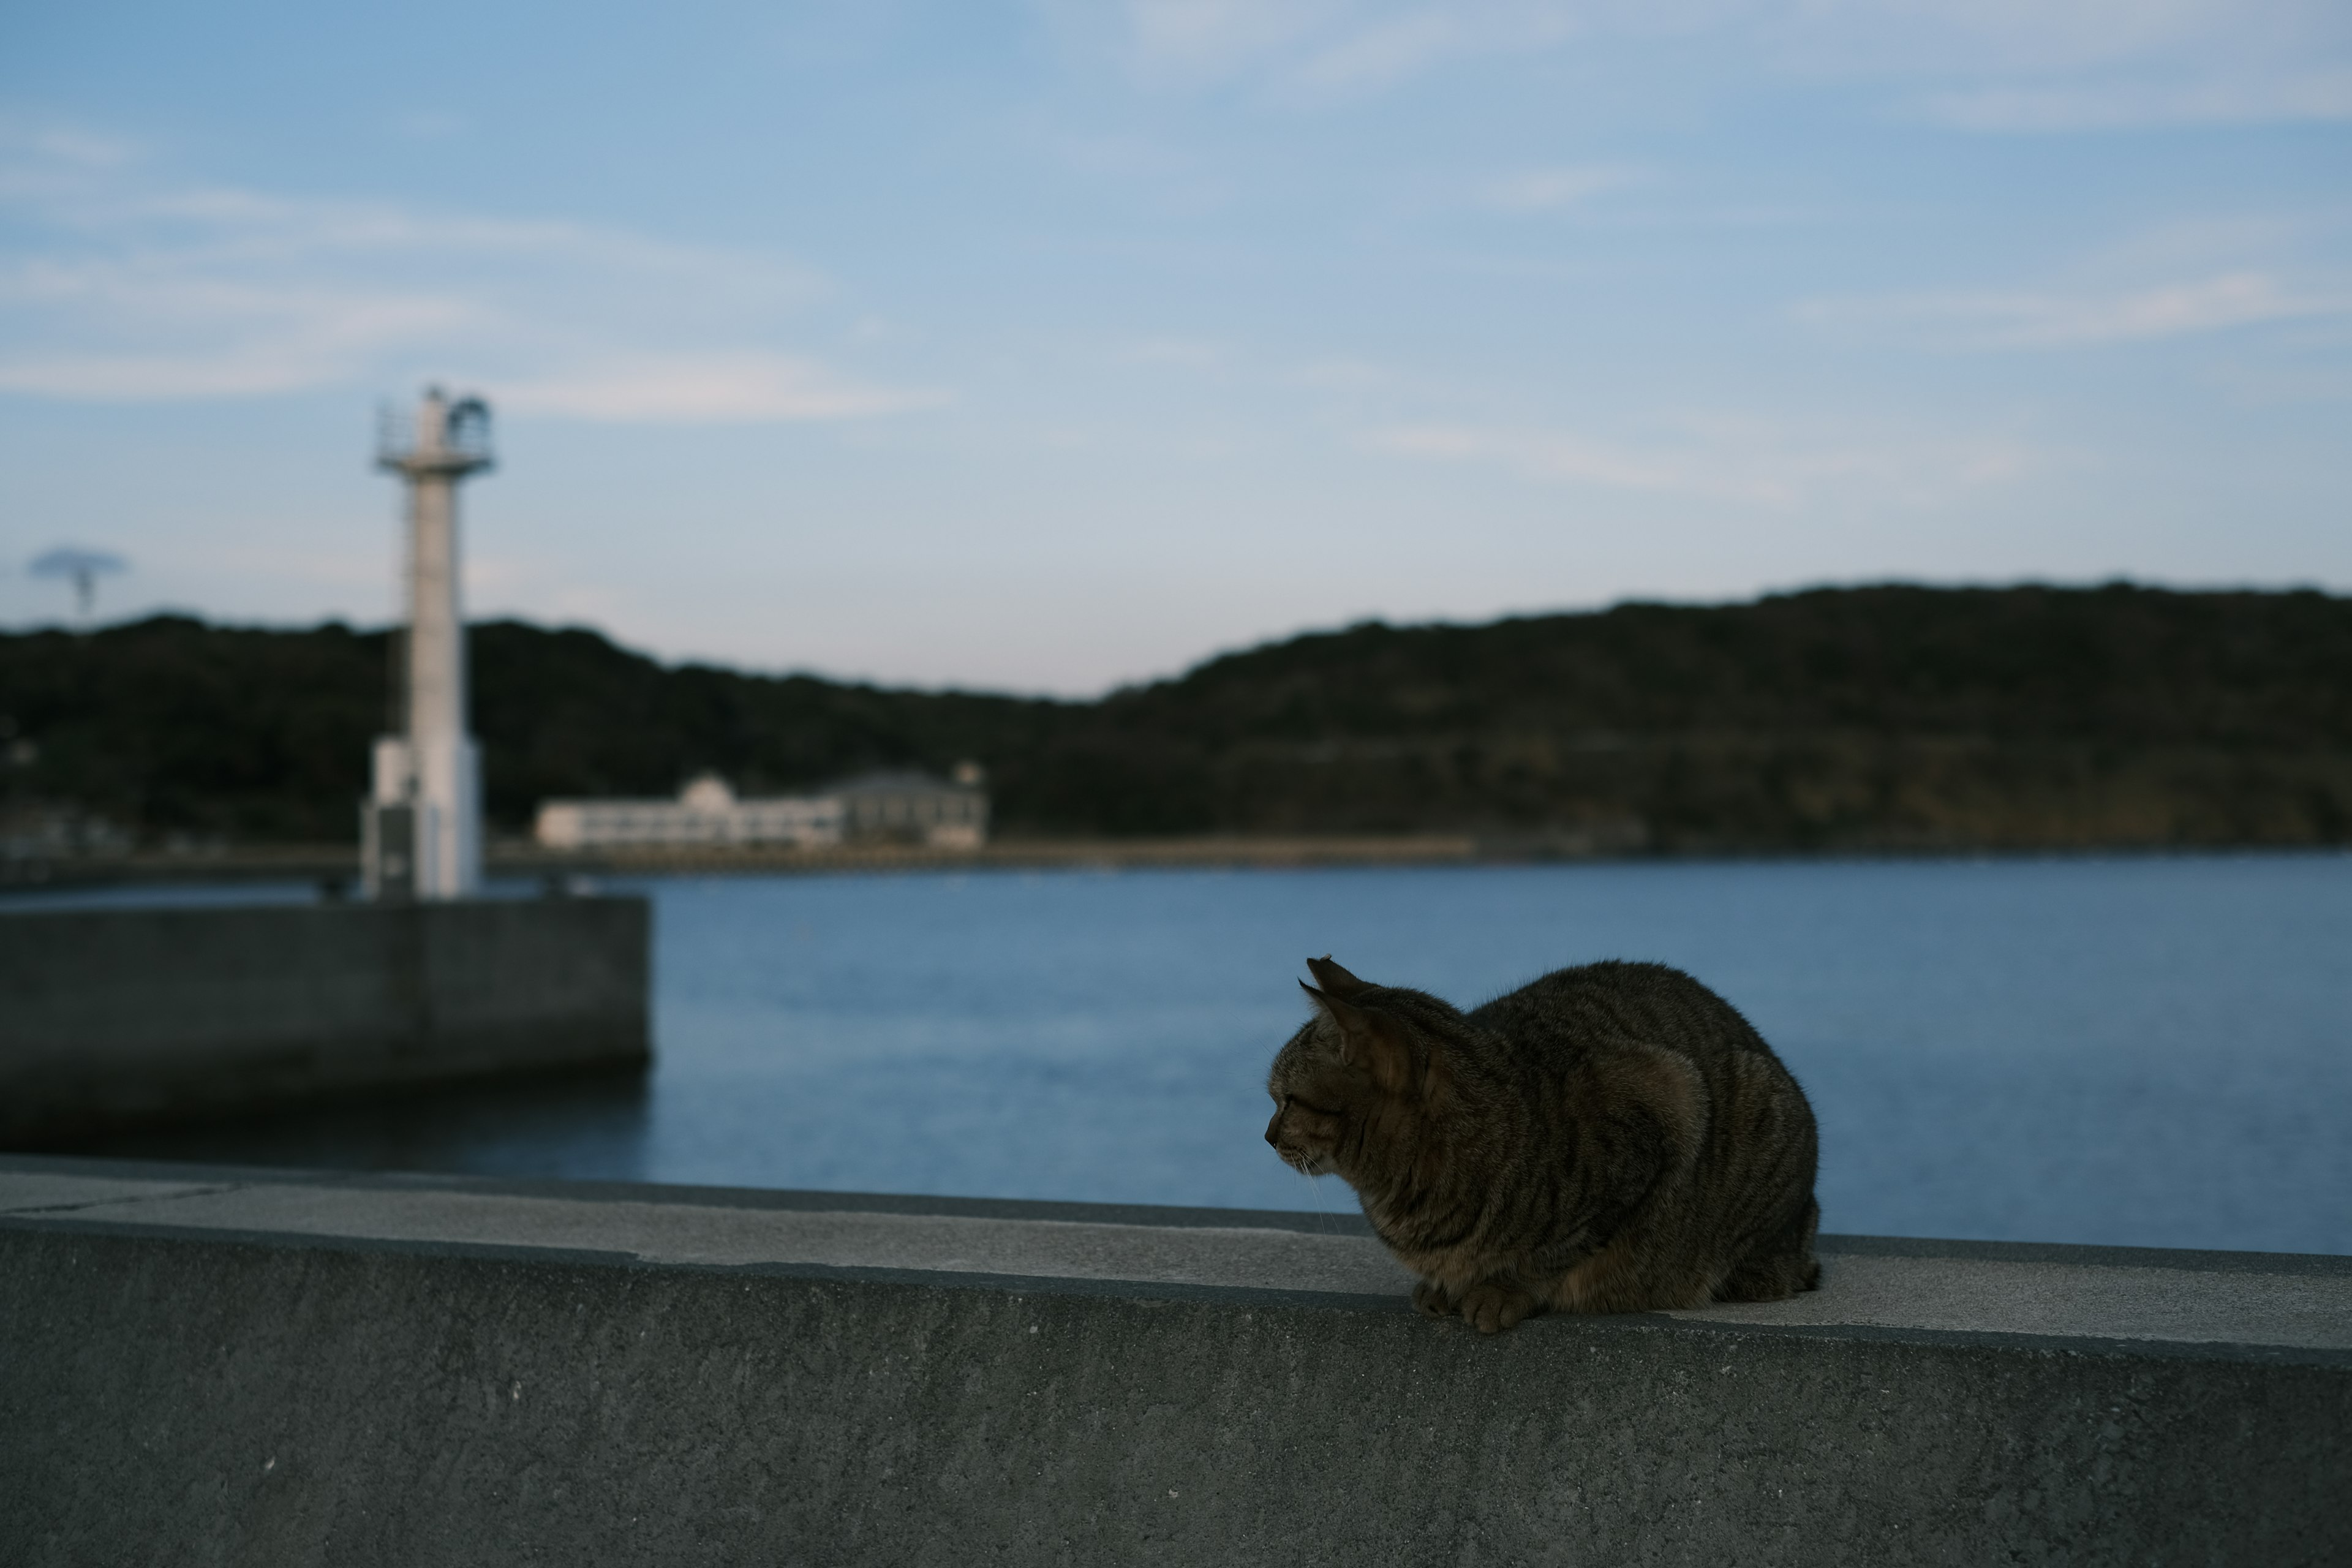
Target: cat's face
x=1341, y=1083
x=1314, y=1091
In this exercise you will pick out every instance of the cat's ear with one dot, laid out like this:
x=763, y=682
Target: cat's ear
x=1334, y=979
x=1370, y=1040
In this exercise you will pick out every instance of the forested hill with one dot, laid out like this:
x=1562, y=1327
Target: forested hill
x=178, y=727
x=1886, y=716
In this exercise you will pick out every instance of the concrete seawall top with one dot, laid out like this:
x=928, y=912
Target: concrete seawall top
x=207, y=1364
x=2276, y=1305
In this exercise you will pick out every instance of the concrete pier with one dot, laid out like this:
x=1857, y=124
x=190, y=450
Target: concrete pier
x=201, y=1365
x=125, y=1017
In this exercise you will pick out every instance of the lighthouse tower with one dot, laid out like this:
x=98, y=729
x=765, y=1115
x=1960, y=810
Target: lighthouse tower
x=422, y=826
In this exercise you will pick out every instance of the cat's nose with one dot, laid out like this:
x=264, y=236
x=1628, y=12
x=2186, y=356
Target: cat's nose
x=1274, y=1130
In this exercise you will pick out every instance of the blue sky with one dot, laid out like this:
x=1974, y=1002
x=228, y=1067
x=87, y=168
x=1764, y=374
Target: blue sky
x=1051, y=345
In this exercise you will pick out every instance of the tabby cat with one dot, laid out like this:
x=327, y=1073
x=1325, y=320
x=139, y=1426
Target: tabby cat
x=1610, y=1138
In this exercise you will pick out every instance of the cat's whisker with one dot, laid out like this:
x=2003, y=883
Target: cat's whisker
x=1314, y=1190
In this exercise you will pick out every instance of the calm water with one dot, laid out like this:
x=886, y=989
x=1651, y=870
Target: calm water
x=2153, y=1051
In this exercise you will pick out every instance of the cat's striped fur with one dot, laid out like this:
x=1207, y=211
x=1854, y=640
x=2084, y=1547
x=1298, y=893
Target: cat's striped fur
x=1610, y=1138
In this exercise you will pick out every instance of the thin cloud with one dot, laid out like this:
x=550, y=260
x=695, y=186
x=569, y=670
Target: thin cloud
x=2285, y=96
x=431, y=125
x=2018, y=66
x=1550, y=190
x=1388, y=51
x=1554, y=455
x=2006, y=66
x=149, y=293
x=2029, y=38
x=152, y=332
x=249, y=370
x=83, y=150
x=733, y=388
x=1342, y=374
x=127, y=292
x=2035, y=320
x=1326, y=48
x=216, y=224
x=1186, y=353
x=1216, y=36
x=1746, y=462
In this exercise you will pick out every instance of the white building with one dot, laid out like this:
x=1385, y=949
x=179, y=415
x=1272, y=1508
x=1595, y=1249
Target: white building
x=705, y=813
x=893, y=807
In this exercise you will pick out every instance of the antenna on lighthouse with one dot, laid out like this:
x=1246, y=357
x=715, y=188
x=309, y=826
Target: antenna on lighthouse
x=421, y=829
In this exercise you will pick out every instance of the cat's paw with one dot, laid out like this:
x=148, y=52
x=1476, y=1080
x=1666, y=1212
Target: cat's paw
x=1494, y=1306
x=1428, y=1298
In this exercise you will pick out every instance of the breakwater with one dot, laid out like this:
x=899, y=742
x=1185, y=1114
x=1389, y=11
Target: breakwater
x=125, y=1017
x=212, y=1364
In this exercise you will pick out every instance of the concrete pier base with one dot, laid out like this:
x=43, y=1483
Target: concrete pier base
x=118, y=1019
x=206, y=1365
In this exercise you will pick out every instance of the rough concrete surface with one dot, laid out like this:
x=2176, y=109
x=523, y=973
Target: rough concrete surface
x=206, y=1367
x=2088, y=1293
x=119, y=1018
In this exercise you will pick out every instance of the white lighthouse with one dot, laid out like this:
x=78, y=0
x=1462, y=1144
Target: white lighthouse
x=422, y=826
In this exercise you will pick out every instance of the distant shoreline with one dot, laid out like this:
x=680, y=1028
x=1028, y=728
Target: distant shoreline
x=328, y=862
x=323, y=861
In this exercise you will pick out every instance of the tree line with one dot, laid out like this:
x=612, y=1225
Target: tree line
x=1876, y=717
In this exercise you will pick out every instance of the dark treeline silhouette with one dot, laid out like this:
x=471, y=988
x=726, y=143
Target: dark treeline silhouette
x=1868, y=718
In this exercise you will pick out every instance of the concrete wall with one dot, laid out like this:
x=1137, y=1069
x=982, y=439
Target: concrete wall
x=202, y=1365
x=115, y=1018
